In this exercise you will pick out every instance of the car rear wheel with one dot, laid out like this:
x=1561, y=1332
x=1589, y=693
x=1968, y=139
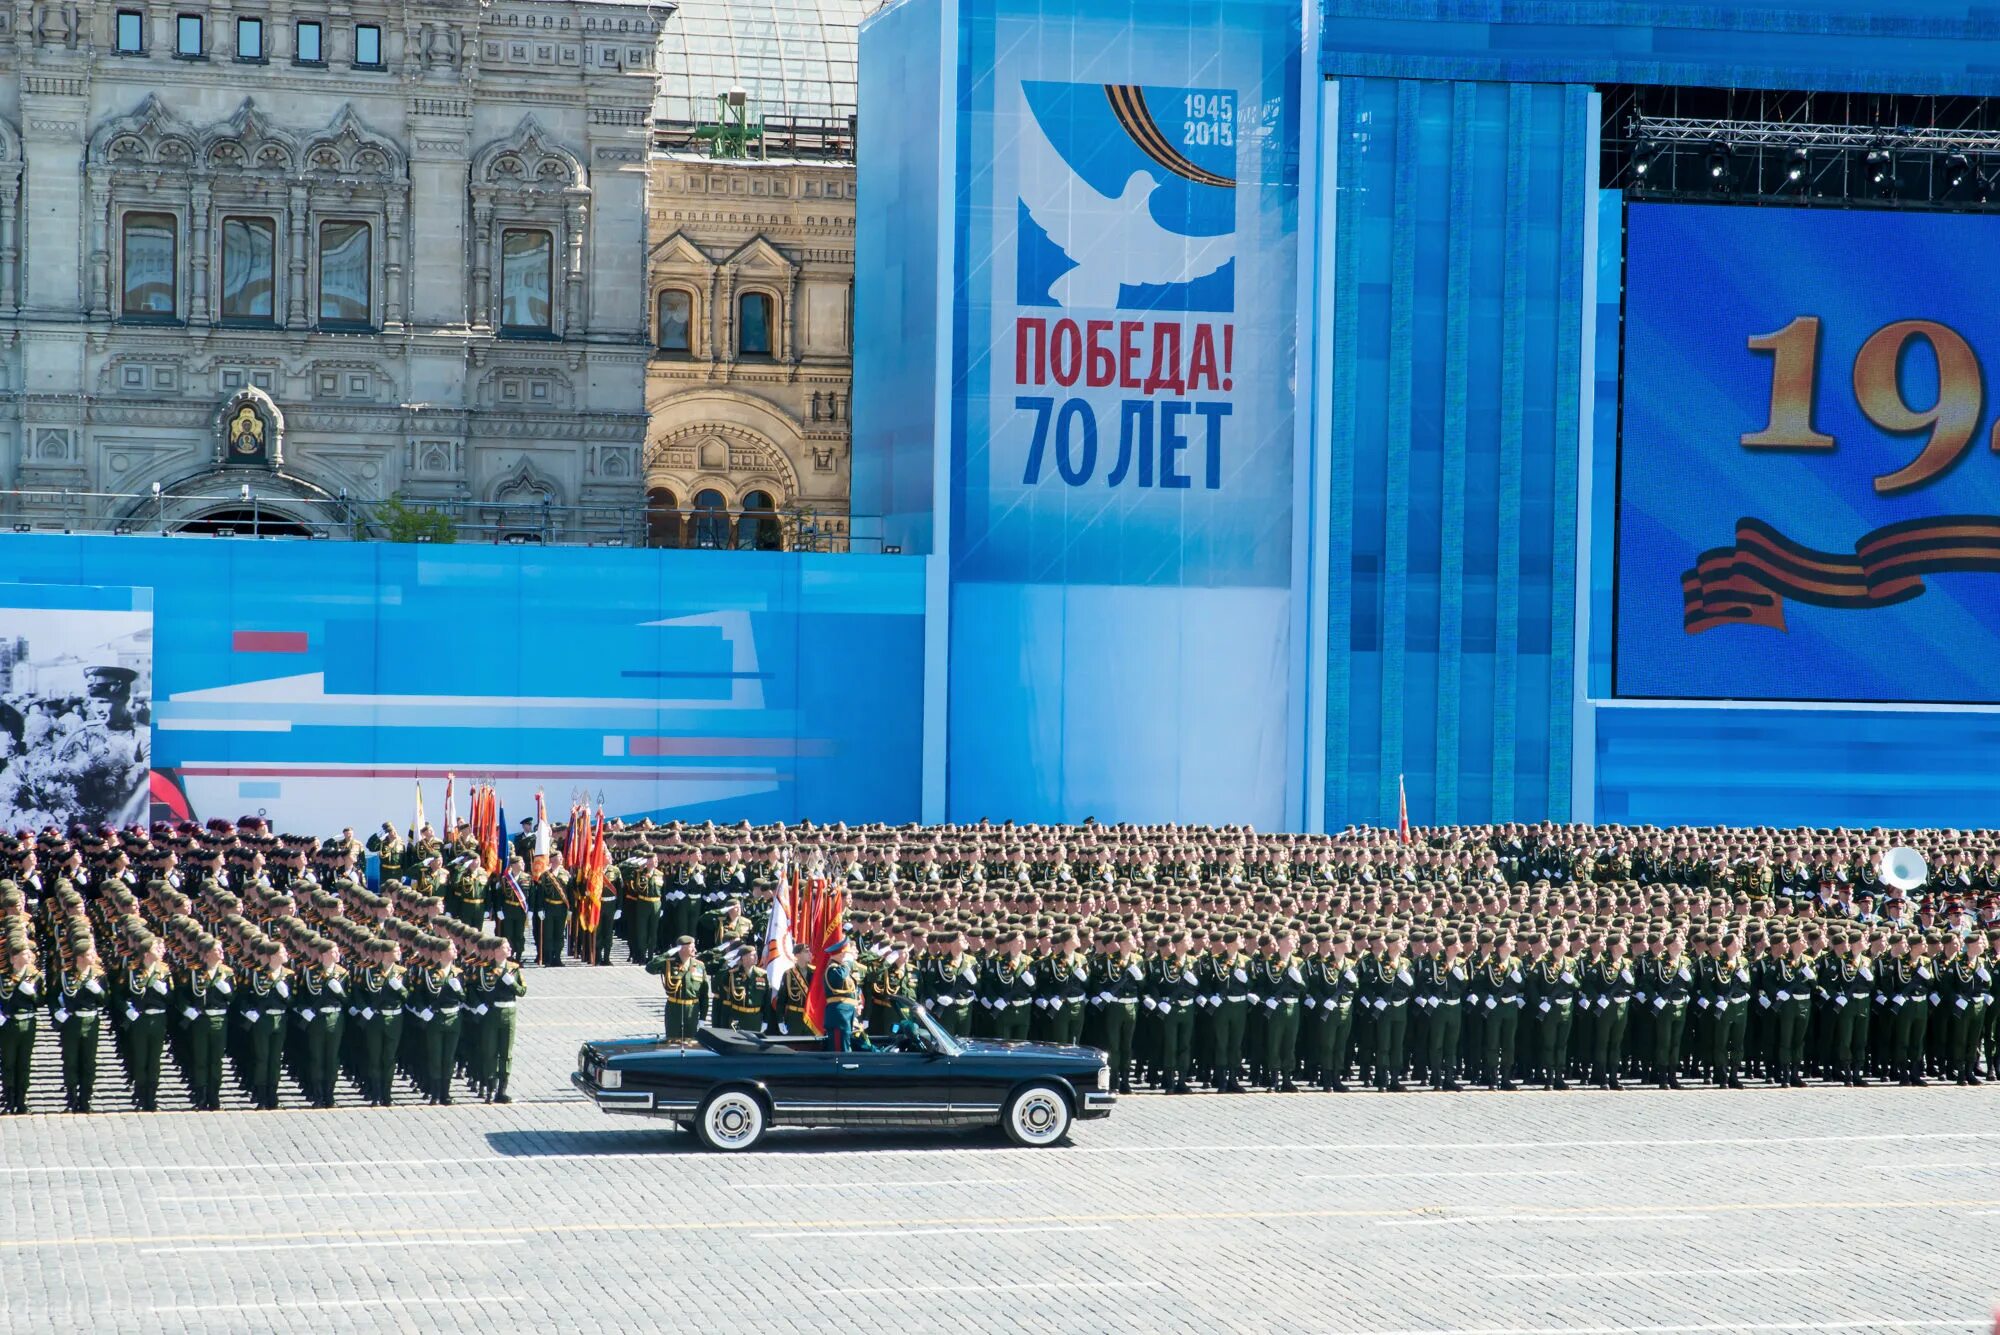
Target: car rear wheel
x=730, y=1120
x=1036, y=1116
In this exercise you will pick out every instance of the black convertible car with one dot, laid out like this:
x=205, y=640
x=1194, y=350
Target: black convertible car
x=729, y=1085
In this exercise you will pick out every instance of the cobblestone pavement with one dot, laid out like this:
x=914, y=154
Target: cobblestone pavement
x=1359, y=1214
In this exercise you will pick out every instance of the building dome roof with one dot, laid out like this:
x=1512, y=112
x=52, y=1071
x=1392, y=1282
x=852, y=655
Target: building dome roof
x=795, y=59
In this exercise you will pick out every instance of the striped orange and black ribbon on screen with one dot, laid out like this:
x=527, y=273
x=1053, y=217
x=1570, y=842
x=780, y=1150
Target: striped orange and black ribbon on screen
x=1747, y=585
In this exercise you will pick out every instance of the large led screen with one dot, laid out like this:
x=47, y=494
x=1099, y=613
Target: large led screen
x=1809, y=465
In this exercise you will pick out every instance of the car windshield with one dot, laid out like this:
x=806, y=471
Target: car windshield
x=934, y=1034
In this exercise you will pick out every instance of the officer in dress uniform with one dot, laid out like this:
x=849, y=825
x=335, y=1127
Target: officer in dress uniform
x=843, y=996
x=948, y=981
x=684, y=978
x=20, y=996
x=77, y=1004
x=147, y=989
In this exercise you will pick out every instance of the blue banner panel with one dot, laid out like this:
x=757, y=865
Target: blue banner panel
x=320, y=683
x=1809, y=495
x=1123, y=473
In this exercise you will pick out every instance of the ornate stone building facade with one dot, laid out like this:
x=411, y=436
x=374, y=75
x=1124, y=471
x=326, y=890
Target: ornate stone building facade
x=750, y=227
x=307, y=258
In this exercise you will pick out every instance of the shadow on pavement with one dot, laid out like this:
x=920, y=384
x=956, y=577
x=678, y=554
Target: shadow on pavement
x=667, y=1140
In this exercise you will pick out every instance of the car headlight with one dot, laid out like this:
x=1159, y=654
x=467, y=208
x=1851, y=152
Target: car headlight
x=609, y=1079
x=1104, y=1077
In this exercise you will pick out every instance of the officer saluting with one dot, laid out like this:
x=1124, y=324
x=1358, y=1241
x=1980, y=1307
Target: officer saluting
x=685, y=980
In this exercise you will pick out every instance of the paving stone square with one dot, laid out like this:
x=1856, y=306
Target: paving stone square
x=1835, y=1210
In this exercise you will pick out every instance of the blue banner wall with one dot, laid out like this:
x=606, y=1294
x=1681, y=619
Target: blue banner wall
x=1123, y=468
x=1458, y=269
x=317, y=681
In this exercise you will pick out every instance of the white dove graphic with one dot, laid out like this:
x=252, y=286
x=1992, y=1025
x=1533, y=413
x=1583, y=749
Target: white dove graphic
x=1114, y=242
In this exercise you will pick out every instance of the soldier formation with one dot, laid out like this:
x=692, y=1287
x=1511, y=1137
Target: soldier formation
x=232, y=950
x=1493, y=955
x=1215, y=958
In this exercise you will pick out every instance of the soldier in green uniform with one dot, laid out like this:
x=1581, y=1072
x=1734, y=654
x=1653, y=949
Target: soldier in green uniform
x=1172, y=993
x=509, y=894
x=1791, y=986
x=641, y=891
x=1671, y=988
x=77, y=1004
x=1445, y=999
x=684, y=978
x=1850, y=979
x=466, y=892
x=1007, y=987
x=1501, y=992
x=891, y=992
x=1727, y=988
x=383, y=995
x=20, y=995
x=788, y=1001
x=494, y=988
x=741, y=993
x=1960, y=994
x=148, y=985
x=1336, y=999
x=948, y=982
x=262, y=1003
x=1118, y=982
x=550, y=895
x=1395, y=988
x=1233, y=984
x=1555, y=994
x=203, y=1005
x=1065, y=988
x=1282, y=987
x=319, y=1001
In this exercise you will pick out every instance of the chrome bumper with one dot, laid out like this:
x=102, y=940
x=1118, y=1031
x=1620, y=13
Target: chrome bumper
x=613, y=1100
x=1098, y=1103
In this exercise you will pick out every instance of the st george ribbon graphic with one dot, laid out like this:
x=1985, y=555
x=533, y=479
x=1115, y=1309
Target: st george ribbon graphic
x=1746, y=585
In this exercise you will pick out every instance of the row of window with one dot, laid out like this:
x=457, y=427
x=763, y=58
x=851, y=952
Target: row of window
x=755, y=317
x=150, y=273
x=709, y=524
x=191, y=39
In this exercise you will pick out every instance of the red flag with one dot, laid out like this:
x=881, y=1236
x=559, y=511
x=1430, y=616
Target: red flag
x=828, y=908
x=1402, y=812
x=595, y=859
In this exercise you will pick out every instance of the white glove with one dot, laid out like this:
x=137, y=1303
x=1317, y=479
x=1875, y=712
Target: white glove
x=1784, y=995
x=1492, y=1002
x=1840, y=1000
x=1381, y=1005
x=1239, y=975
x=1659, y=1003
x=62, y=1017
x=1271, y=1004
x=1149, y=1003
x=1311, y=1004
x=94, y=986
x=1028, y=979
x=189, y=1012
x=1604, y=1003
x=1961, y=1003
x=284, y=989
x=1701, y=1002
x=253, y=1016
x=1934, y=998
x=1135, y=972
x=132, y=1012
x=1187, y=976
x=367, y=1012
x=1544, y=1008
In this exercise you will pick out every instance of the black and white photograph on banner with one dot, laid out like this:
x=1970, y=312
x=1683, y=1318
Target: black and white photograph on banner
x=76, y=689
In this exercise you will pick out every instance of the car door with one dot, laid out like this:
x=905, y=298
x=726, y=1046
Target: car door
x=878, y=1088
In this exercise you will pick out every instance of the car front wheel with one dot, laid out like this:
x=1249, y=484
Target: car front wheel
x=731, y=1120
x=1037, y=1116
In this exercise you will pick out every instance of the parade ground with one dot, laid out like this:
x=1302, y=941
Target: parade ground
x=1639, y=1213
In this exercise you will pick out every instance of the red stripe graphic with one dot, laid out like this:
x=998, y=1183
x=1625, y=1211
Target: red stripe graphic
x=270, y=642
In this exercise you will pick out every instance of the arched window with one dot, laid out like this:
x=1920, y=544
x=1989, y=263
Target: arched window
x=757, y=528
x=676, y=330
x=663, y=518
x=753, y=325
x=711, y=520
